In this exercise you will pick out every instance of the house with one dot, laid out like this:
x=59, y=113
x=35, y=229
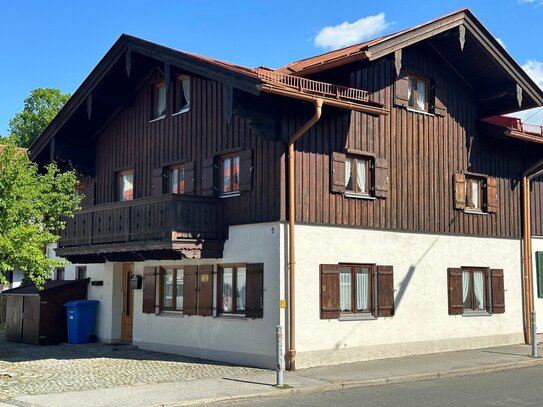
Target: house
x=355, y=198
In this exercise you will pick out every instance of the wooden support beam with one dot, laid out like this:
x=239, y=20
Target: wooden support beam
x=519, y=95
x=462, y=35
x=128, y=62
x=398, y=61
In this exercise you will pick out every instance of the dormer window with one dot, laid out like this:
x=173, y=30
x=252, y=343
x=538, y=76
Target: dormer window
x=158, y=108
x=182, y=94
x=417, y=93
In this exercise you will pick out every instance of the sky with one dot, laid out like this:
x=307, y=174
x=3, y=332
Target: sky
x=57, y=43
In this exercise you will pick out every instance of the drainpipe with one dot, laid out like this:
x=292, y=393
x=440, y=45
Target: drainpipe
x=527, y=246
x=291, y=209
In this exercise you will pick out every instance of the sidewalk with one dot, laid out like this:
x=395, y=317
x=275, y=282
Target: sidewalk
x=321, y=379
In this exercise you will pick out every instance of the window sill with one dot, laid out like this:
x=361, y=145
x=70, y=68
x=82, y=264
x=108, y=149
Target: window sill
x=229, y=194
x=174, y=314
x=233, y=317
x=359, y=196
x=158, y=118
x=186, y=109
x=480, y=313
x=475, y=212
x=358, y=317
x=410, y=109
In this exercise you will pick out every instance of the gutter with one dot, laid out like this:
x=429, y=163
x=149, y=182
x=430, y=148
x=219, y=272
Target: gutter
x=527, y=248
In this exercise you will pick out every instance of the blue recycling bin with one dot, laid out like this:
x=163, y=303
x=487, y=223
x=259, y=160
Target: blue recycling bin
x=80, y=315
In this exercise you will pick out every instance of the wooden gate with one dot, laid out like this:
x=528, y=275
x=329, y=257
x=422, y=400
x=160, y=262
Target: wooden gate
x=23, y=318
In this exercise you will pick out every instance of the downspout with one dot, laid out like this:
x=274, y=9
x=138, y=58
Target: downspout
x=291, y=209
x=527, y=246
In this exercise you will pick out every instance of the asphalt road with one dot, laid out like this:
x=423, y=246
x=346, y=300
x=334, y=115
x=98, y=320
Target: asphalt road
x=508, y=388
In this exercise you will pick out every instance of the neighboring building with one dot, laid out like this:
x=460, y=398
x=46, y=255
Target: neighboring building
x=407, y=208
x=14, y=279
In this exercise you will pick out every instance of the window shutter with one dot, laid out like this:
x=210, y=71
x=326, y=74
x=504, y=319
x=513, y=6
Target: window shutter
x=205, y=291
x=381, y=178
x=539, y=269
x=189, y=177
x=385, y=291
x=254, y=291
x=157, y=182
x=190, y=285
x=459, y=190
x=329, y=291
x=440, y=98
x=208, y=171
x=149, y=290
x=88, y=191
x=401, y=90
x=246, y=170
x=498, y=292
x=337, y=173
x=456, y=303
x=491, y=195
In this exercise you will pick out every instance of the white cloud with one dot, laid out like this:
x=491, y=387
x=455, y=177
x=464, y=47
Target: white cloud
x=534, y=69
x=344, y=34
x=500, y=41
x=537, y=2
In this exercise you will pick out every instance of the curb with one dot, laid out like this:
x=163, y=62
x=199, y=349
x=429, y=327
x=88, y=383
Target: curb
x=327, y=386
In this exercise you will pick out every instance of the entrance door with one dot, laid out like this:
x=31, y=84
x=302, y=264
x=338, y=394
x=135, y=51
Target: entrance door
x=127, y=313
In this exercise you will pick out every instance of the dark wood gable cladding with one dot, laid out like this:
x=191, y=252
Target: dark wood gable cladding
x=423, y=152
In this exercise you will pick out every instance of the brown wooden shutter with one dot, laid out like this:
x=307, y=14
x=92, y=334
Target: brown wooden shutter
x=491, y=195
x=157, y=181
x=88, y=192
x=401, y=87
x=208, y=171
x=190, y=287
x=459, y=181
x=381, y=175
x=329, y=291
x=498, y=291
x=385, y=291
x=189, y=177
x=337, y=173
x=456, y=303
x=246, y=170
x=254, y=291
x=149, y=290
x=205, y=290
x=440, y=98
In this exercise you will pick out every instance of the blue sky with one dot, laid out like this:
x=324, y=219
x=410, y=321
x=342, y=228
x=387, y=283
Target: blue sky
x=56, y=43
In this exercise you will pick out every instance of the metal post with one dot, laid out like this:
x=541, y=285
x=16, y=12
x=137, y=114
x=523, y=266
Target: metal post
x=280, y=362
x=534, y=336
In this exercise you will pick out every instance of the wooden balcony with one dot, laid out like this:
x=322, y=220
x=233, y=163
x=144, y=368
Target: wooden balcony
x=165, y=227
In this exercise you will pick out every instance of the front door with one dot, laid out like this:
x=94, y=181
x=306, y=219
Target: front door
x=127, y=310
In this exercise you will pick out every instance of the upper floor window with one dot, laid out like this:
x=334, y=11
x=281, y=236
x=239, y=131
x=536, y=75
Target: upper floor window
x=230, y=174
x=158, y=100
x=182, y=94
x=357, y=175
x=418, y=93
x=176, y=179
x=125, y=185
x=475, y=193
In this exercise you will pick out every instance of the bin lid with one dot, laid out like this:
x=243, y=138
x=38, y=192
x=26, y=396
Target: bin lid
x=80, y=303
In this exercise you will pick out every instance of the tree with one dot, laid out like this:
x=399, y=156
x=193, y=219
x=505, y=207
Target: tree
x=40, y=107
x=32, y=207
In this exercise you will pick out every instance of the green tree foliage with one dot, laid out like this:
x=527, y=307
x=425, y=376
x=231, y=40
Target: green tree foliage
x=32, y=205
x=40, y=107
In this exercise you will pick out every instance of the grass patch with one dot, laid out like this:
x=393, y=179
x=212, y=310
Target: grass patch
x=283, y=387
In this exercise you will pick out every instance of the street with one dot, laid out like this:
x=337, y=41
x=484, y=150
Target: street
x=516, y=387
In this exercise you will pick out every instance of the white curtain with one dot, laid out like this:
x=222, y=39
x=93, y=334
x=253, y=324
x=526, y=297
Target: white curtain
x=168, y=288
x=240, y=289
x=179, y=290
x=421, y=95
x=361, y=175
x=227, y=290
x=345, y=291
x=475, y=194
x=465, y=286
x=348, y=164
x=362, y=291
x=410, y=91
x=478, y=286
x=186, y=92
x=161, y=102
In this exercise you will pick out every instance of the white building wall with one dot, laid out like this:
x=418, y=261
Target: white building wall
x=421, y=323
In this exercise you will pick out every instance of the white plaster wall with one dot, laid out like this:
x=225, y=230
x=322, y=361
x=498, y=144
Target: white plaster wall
x=421, y=323
x=237, y=340
x=537, y=246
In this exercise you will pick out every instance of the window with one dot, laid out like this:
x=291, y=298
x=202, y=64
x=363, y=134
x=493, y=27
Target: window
x=476, y=290
x=182, y=94
x=230, y=174
x=60, y=273
x=240, y=290
x=475, y=193
x=357, y=175
x=351, y=290
x=417, y=93
x=171, y=288
x=81, y=272
x=125, y=185
x=158, y=107
x=176, y=179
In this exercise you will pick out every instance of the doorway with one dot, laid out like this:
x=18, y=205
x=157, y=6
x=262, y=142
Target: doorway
x=127, y=308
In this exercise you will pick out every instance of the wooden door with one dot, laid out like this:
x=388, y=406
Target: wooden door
x=127, y=310
x=31, y=319
x=14, y=318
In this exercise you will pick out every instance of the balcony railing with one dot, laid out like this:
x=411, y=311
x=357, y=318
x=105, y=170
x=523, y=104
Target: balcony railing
x=534, y=129
x=165, y=218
